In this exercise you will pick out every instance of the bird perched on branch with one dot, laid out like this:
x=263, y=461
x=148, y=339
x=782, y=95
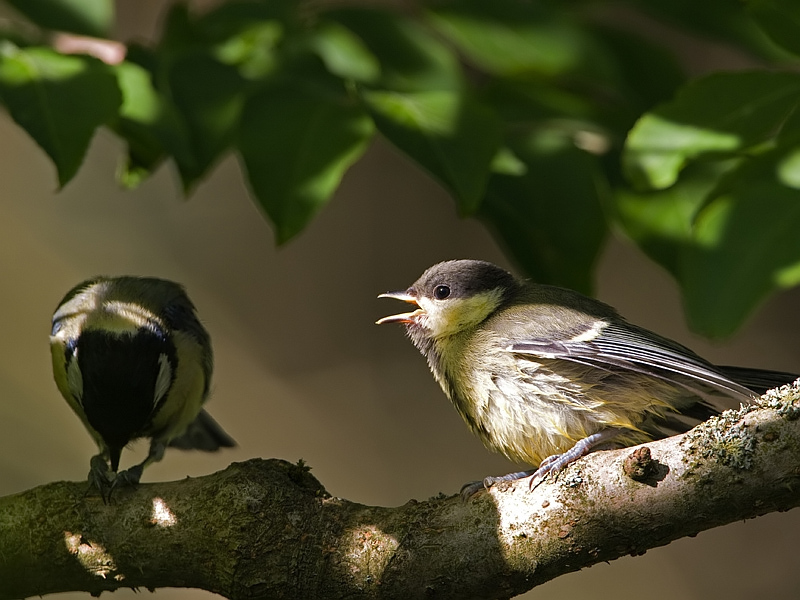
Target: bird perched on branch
x=133, y=361
x=545, y=375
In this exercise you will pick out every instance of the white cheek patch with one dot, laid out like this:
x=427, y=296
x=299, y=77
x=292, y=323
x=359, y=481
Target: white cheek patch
x=164, y=379
x=452, y=315
x=75, y=378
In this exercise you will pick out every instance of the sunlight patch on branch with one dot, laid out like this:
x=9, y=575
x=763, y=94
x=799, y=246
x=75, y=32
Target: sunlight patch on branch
x=370, y=551
x=92, y=556
x=162, y=515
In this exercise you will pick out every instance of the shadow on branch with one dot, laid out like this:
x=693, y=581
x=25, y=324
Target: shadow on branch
x=268, y=528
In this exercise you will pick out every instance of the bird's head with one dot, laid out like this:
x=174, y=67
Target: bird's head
x=452, y=296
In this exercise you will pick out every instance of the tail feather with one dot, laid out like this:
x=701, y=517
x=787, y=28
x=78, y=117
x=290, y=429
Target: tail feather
x=204, y=433
x=686, y=417
x=758, y=380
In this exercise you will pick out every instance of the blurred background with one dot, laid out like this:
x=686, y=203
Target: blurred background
x=301, y=369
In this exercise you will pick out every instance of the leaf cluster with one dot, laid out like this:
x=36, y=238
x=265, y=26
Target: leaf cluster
x=551, y=121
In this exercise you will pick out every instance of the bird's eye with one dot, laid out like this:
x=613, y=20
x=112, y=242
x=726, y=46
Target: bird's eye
x=441, y=292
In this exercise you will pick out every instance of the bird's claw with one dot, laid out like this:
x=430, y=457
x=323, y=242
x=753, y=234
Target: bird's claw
x=554, y=464
x=472, y=488
x=101, y=478
x=105, y=481
x=129, y=477
x=468, y=490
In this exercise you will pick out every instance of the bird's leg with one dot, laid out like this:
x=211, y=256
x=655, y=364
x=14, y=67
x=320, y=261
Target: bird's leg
x=132, y=475
x=551, y=464
x=100, y=476
x=556, y=462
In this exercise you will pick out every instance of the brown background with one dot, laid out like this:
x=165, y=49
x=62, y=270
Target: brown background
x=301, y=370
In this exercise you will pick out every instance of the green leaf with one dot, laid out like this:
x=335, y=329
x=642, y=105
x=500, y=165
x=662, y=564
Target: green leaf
x=59, y=100
x=150, y=125
x=209, y=96
x=178, y=32
x=296, y=143
x=447, y=132
x=244, y=35
x=640, y=72
x=788, y=169
x=505, y=162
x=410, y=58
x=624, y=77
x=661, y=221
x=251, y=50
x=716, y=20
x=508, y=38
x=524, y=101
x=745, y=247
x=722, y=114
x=344, y=54
x=229, y=19
x=780, y=19
x=86, y=17
x=550, y=218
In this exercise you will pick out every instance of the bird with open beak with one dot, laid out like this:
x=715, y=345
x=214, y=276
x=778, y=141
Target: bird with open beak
x=545, y=375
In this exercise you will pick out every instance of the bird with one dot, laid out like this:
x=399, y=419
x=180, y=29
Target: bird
x=544, y=375
x=132, y=360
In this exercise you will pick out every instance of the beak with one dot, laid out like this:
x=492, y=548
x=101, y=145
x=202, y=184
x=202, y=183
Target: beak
x=408, y=317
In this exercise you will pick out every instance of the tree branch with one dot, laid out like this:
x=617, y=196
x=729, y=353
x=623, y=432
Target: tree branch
x=267, y=528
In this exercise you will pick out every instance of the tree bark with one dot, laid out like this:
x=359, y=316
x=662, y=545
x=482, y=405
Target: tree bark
x=268, y=529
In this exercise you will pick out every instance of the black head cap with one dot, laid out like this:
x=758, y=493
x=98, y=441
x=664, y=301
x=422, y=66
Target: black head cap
x=462, y=279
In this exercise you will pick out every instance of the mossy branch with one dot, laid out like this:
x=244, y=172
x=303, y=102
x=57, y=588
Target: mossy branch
x=267, y=528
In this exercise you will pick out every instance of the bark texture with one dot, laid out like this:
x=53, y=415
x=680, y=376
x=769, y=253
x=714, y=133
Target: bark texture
x=268, y=529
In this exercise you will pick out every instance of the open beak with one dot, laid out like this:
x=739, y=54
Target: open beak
x=408, y=317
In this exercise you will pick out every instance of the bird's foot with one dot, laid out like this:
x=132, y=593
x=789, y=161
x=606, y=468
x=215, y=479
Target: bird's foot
x=556, y=462
x=129, y=477
x=101, y=478
x=472, y=488
x=552, y=464
x=106, y=481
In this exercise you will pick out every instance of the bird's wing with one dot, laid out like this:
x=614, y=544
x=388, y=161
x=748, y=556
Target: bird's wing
x=621, y=346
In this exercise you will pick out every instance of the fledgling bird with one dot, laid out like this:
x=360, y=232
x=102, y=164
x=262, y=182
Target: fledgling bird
x=544, y=375
x=133, y=361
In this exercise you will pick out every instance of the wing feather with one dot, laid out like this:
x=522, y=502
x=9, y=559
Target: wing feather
x=621, y=346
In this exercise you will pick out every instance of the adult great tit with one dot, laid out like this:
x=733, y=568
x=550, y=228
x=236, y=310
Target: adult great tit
x=133, y=361
x=545, y=375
